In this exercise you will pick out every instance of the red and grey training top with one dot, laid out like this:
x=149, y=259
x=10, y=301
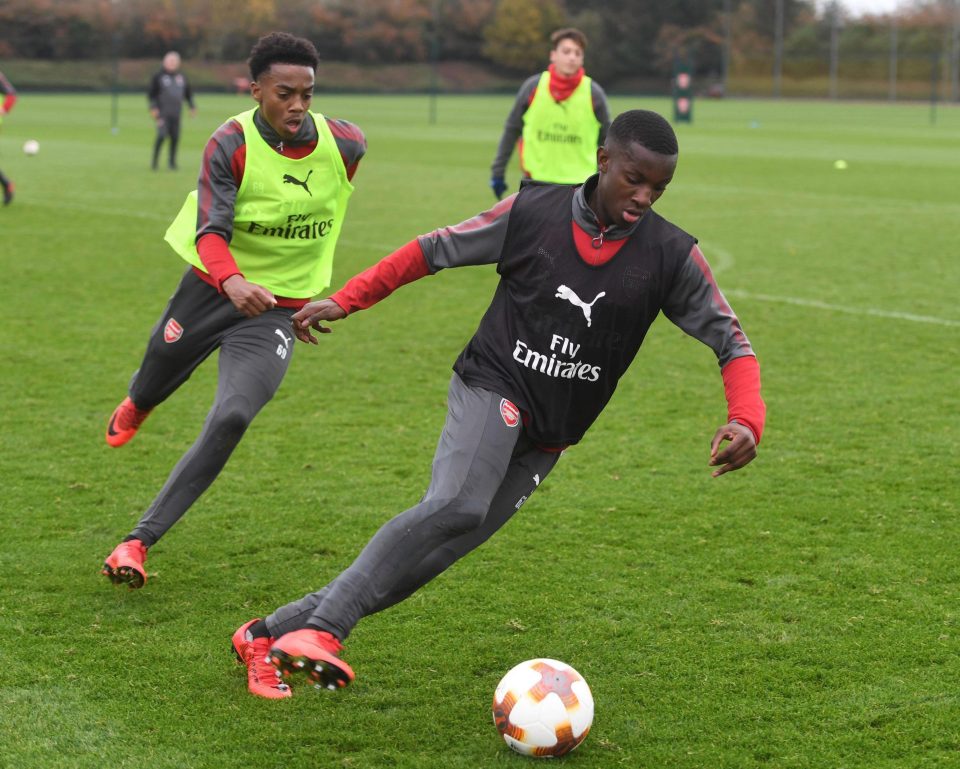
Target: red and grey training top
x=560, y=90
x=221, y=172
x=552, y=238
x=559, y=333
x=8, y=92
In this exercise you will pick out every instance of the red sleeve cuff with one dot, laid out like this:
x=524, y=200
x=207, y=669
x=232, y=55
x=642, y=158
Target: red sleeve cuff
x=216, y=258
x=403, y=266
x=741, y=385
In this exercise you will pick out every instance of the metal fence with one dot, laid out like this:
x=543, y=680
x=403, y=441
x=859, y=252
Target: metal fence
x=836, y=59
x=850, y=76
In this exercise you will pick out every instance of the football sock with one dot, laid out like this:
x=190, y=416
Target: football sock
x=258, y=630
x=322, y=629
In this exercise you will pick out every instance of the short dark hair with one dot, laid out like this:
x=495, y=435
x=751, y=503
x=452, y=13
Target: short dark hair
x=645, y=127
x=281, y=48
x=568, y=33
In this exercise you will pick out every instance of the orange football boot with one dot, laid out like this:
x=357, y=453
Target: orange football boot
x=124, y=422
x=314, y=652
x=127, y=564
x=263, y=679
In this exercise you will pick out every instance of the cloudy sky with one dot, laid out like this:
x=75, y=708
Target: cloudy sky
x=860, y=7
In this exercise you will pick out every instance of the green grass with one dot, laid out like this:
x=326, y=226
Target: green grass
x=800, y=613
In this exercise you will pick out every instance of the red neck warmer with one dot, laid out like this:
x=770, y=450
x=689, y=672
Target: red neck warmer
x=561, y=87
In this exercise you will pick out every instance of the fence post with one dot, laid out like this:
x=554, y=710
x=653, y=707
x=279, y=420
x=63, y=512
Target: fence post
x=725, y=51
x=893, y=57
x=934, y=85
x=955, y=54
x=777, y=47
x=835, y=24
x=434, y=64
x=115, y=82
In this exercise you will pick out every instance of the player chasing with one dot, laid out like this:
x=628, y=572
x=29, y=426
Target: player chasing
x=533, y=378
x=258, y=249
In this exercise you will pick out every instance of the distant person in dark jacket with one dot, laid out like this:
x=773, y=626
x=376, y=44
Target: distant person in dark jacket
x=169, y=88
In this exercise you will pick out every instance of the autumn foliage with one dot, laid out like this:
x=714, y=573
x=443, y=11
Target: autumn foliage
x=629, y=38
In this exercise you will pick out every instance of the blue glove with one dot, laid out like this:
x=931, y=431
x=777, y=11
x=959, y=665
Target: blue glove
x=499, y=186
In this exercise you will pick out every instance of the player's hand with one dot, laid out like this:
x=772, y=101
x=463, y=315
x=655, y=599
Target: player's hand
x=311, y=315
x=249, y=298
x=741, y=449
x=499, y=186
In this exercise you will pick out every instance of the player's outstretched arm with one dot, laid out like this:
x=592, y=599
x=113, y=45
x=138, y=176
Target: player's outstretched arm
x=312, y=314
x=740, y=451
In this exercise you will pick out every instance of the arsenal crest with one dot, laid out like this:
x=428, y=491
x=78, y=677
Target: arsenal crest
x=509, y=412
x=636, y=281
x=172, y=331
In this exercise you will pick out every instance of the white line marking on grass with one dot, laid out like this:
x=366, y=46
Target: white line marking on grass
x=892, y=314
x=719, y=259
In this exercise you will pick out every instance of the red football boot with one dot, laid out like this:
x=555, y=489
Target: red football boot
x=124, y=422
x=126, y=565
x=263, y=679
x=314, y=652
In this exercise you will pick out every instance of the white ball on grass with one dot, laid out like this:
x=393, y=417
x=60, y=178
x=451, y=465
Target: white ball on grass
x=543, y=707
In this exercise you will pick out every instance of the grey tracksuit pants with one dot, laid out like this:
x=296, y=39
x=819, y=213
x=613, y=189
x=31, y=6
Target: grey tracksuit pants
x=254, y=356
x=484, y=468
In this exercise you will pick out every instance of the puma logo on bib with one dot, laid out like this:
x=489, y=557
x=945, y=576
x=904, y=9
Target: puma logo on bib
x=563, y=292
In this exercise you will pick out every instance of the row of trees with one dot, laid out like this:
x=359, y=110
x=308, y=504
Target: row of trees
x=630, y=38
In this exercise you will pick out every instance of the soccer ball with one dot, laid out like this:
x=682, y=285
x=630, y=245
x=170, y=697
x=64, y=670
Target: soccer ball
x=543, y=708
x=31, y=147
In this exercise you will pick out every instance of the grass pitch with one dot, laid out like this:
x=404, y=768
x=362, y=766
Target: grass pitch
x=802, y=612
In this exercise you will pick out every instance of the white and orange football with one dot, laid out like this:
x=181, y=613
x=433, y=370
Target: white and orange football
x=543, y=708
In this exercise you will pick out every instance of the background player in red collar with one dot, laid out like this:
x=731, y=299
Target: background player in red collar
x=559, y=119
x=564, y=324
